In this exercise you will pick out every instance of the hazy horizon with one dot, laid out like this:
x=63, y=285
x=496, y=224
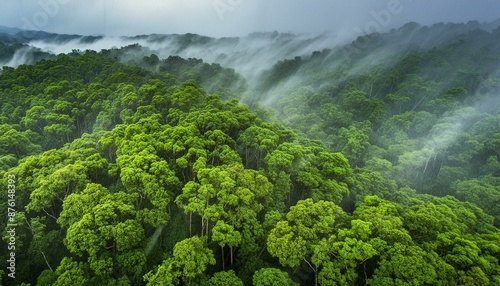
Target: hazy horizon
x=229, y=18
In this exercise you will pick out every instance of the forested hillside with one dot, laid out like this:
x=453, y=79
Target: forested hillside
x=375, y=162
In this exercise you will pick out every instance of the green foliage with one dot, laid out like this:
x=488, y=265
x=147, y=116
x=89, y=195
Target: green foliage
x=307, y=224
x=70, y=272
x=102, y=227
x=189, y=260
x=271, y=277
x=225, y=278
x=343, y=254
x=380, y=172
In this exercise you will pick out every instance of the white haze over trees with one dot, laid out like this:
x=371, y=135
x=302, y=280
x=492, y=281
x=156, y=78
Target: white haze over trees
x=225, y=18
x=230, y=26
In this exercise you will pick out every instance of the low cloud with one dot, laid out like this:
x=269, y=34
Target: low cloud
x=220, y=18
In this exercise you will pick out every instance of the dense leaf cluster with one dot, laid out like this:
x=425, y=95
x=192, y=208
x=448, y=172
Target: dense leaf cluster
x=141, y=174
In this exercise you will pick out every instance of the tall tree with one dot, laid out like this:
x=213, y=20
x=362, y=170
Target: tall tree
x=307, y=223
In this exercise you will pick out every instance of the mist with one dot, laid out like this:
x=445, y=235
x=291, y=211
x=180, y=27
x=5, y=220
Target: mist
x=249, y=55
x=248, y=36
x=21, y=56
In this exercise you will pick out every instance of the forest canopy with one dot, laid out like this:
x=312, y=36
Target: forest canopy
x=152, y=171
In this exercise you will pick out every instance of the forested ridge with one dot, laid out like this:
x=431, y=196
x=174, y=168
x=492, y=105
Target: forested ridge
x=339, y=169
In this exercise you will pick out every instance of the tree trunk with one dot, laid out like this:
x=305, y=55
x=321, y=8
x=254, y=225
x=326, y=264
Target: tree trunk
x=45, y=258
x=230, y=247
x=202, y=226
x=190, y=220
x=223, y=263
x=315, y=269
x=207, y=227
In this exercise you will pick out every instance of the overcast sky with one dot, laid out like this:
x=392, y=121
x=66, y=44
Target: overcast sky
x=220, y=18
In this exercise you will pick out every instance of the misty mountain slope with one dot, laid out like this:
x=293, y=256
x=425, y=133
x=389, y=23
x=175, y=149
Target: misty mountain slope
x=403, y=104
x=26, y=36
x=252, y=55
x=455, y=47
x=248, y=55
x=19, y=47
x=13, y=55
x=257, y=52
x=211, y=77
x=389, y=65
